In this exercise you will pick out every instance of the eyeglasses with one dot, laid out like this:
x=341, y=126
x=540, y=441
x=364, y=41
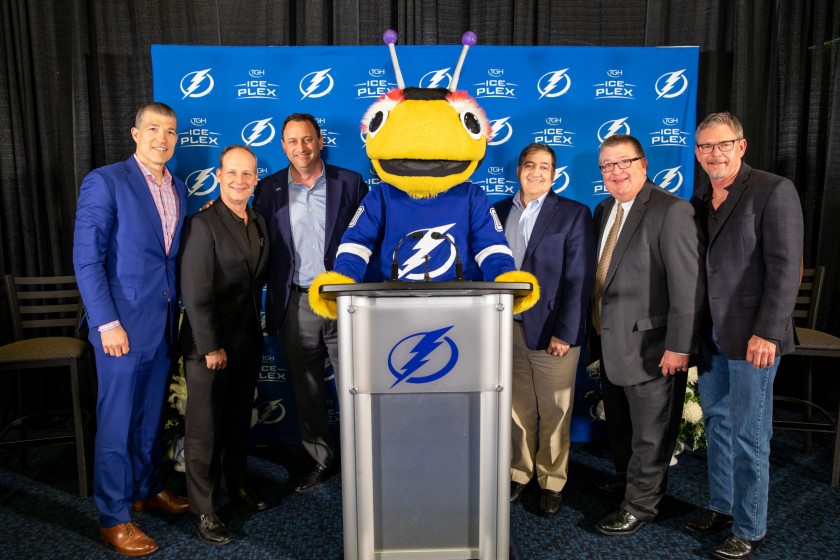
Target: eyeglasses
x=725, y=146
x=623, y=164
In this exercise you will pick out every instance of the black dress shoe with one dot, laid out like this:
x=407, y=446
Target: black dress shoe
x=734, y=547
x=611, y=488
x=210, y=528
x=312, y=479
x=550, y=502
x=709, y=523
x=249, y=500
x=620, y=522
x=516, y=489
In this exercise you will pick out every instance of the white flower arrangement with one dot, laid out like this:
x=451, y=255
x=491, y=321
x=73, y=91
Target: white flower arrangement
x=692, y=431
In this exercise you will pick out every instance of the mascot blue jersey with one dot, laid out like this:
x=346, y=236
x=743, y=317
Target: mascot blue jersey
x=388, y=215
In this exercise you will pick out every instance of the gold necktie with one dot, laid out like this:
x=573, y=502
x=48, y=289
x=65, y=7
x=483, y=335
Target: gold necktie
x=603, y=265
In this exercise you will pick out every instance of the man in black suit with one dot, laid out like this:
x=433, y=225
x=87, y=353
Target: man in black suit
x=223, y=263
x=646, y=306
x=552, y=238
x=307, y=207
x=753, y=221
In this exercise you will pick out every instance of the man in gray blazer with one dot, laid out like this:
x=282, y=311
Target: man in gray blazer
x=753, y=221
x=646, y=307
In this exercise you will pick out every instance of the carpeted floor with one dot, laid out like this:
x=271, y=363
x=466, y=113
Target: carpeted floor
x=41, y=516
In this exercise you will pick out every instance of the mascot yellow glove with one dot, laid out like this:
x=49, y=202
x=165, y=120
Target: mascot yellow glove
x=523, y=303
x=323, y=307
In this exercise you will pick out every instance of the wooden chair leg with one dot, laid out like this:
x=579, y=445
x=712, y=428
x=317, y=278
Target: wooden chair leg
x=807, y=362
x=835, y=469
x=79, y=428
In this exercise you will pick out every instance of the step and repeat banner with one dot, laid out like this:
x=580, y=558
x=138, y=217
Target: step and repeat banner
x=570, y=98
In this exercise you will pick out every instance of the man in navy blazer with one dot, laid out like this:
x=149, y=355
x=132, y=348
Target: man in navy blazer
x=307, y=206
x=552, y=238
x=125, y=249
x=753, y=221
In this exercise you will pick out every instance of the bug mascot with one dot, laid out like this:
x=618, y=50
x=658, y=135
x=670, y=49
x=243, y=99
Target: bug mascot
x=425, y=216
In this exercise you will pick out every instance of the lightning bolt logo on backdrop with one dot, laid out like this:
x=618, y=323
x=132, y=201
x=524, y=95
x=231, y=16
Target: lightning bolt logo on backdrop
x=612, y=127
x=426, y=247
x=432, y=348
x=670, y=179
x=548, y=83
x=435, y=78
x=190, y=87
x=498, y=126
x=557, y=184
x=313, y=85
x=258, y=133
x=195, y=181
x=671, y=79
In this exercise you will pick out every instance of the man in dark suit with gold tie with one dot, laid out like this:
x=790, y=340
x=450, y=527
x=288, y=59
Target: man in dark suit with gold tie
x=646, y=308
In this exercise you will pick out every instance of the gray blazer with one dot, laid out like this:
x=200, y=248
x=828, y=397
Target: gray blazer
x=752, y=261
x=654, y=289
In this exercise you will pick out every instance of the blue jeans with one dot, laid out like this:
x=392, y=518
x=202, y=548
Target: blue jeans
x=737, y=402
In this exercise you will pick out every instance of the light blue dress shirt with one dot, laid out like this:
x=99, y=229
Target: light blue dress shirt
x=308, y=213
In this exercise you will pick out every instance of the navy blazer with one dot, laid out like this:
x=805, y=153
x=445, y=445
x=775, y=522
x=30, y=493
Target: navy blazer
x=121, y=265
x=345, y=191
x=752, y=261
x=561, y=254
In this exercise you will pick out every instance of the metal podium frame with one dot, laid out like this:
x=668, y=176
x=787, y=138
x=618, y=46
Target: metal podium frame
x=425, y=400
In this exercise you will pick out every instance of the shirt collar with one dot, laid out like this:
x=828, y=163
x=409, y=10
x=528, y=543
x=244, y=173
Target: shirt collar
x=537, y=202
x=167, y=176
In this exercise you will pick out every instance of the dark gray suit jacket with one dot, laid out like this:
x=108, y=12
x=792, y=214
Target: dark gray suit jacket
x=654, y=289
x=752, y=261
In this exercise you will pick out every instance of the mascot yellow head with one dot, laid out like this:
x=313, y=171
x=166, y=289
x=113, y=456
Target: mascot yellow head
x=425, y=141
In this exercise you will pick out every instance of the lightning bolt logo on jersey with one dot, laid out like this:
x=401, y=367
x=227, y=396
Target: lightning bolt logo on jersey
x=388, y=215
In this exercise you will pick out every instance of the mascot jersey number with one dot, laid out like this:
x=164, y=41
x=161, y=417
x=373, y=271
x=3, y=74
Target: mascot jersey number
x=424, y=144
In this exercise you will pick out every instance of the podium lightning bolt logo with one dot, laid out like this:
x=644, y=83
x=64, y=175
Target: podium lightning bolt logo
x=431, y=356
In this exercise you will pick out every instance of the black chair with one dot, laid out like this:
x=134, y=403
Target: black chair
x=40, y=305
x=810, y=344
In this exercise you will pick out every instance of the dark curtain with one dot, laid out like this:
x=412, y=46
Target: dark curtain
x=74, y=71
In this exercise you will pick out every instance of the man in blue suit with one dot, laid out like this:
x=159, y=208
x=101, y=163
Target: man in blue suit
x=553, y=238
x=125, y=248
x=307, y=206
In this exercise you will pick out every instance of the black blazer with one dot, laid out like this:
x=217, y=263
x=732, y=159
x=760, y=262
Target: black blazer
x=345, y=191
x=221, y=292
x=752, y=261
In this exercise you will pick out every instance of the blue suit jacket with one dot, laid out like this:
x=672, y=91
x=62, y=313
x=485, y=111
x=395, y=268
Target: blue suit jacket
x=121, y=265
x=345, y=191
x=561, y=254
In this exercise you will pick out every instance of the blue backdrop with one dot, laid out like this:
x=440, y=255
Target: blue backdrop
x=570, y=98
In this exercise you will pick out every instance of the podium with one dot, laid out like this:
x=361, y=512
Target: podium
x=425, y=400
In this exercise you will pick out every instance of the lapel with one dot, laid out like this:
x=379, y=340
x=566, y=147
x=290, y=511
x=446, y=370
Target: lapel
x=631, y=224
x=230, y=224
x=333, y=202
x=736, y=190
x=549, y=209
x=181, y=193
x=282, y=212
x=137, y=182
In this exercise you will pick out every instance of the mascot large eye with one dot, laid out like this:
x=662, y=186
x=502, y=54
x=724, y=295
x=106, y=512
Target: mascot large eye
x=471, y=124
x=376, y=122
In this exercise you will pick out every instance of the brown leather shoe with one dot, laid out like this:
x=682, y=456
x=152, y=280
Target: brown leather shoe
x=165, y=501
x=128, y=539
